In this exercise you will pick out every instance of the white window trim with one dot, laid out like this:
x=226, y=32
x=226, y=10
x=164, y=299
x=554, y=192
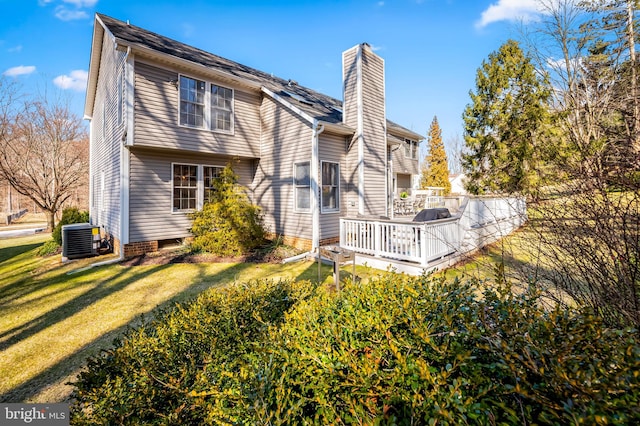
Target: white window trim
x=102, y=204
x=233, y=104
x=295, y=189
x=199, y=187
x=337, y=208
x=206, y=119
x=205, y=125
x=411, y=144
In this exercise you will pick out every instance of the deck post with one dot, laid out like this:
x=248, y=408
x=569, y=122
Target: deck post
x=422, y=238
x=377, y=238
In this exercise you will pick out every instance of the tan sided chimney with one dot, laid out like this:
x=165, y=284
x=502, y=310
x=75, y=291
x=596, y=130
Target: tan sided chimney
x=364, y=110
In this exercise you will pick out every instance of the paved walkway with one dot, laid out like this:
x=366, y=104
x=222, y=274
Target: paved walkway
x=26, y=225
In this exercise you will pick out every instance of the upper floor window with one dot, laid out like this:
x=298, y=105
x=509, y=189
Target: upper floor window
x=411, y=149
x=221, y=108
x=302, y=186
x=330, y=186
x=195, y=95
x=191, y=102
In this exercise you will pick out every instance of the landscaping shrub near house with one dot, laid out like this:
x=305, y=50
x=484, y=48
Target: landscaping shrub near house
x=228, y=224
x=394, y=350
x=69, y=215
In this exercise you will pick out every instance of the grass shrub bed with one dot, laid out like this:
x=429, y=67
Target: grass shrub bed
x=393, y=350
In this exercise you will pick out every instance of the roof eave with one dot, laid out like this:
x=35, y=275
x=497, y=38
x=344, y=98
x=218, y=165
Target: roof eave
x=400, y=131
x=94, y=65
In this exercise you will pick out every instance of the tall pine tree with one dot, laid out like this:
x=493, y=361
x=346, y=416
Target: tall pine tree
x=435, y=169
x=505, y=125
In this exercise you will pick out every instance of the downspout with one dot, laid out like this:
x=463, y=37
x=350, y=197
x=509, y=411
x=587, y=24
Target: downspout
x=315, y=187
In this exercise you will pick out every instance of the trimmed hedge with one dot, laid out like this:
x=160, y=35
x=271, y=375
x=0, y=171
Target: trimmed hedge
x=395, y=350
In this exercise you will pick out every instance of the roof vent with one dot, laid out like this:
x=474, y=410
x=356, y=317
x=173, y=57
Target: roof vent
x=292, y=83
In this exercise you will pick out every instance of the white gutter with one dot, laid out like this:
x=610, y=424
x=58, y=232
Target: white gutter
x=315, y=187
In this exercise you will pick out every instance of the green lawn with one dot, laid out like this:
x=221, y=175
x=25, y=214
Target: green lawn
x=53, y=315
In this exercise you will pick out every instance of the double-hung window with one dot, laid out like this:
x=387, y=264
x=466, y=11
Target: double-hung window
x=330, y=187
x=185, y=187
x=191, y=102
x=221, y=108
x=411, y=149
x=302, y=186
x=205, y=105
x=193, y=185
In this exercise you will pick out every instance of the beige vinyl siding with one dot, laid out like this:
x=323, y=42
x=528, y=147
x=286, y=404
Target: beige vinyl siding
x=375, y=175
x=350, y=117
x=285, y=140
x=403, y=164
x=331, y=149
x=367, y=89
x=350, y=82
x=151, y=198
x=106, y=145
x=157, y=106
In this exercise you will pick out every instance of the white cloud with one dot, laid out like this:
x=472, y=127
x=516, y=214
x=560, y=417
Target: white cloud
x=81, y=3
x=76, y=80
x=15, y=49
x=19, y=70
x=70, y=10
x=65, y=14
x=509, y=10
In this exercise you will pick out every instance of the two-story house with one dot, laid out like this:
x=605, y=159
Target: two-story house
x=165, y=117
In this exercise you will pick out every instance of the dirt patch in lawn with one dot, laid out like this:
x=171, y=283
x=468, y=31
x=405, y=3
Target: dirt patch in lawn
x=268, y=254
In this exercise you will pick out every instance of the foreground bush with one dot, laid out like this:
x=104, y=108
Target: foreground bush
x=396, y=350
x=190, y=364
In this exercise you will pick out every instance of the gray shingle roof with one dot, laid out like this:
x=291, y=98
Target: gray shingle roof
x=317, y=105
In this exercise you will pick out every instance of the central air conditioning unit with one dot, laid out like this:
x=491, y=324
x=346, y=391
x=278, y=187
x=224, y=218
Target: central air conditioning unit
x=80, y=240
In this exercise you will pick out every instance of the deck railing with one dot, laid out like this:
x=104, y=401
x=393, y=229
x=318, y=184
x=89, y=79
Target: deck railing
x=481, y=221
x=414, y=242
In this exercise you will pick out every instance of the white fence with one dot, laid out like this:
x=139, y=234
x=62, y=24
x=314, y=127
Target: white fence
x=482, y=221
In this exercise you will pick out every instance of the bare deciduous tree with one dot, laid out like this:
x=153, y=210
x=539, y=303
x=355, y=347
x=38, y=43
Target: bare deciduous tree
x=455, y=149
x=43, y=152
x=589, y=234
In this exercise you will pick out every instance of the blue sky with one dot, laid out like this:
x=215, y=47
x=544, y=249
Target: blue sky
x=431, y=48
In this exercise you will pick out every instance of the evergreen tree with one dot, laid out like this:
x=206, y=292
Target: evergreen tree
x=505, y=125
x=435, y=169
x=228, y=224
